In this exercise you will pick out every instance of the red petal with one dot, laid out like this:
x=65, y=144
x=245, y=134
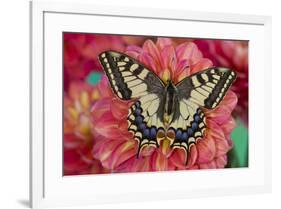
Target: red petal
x=169, y=59
x=188, y=51
x=206, y=148
x=216, y=133
x=223, y=111
x=119, y=109
x=201, y=65
x=159, y=161
x=221, y=161
x=152, y=50
x=163, y=42
x=107, y=126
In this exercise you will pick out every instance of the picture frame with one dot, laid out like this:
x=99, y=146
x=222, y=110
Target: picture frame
x=48, y=187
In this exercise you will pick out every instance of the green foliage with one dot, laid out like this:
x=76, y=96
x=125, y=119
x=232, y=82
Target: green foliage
x=238, y=156
x=93, y=78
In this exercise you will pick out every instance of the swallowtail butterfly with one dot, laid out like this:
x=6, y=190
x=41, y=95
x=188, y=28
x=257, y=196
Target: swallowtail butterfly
x=165, y=110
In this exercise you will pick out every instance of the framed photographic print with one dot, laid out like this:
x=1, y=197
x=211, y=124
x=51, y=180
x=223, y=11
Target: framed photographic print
x=135, y=105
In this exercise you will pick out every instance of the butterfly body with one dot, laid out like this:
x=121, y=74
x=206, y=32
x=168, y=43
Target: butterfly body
x=165, y=110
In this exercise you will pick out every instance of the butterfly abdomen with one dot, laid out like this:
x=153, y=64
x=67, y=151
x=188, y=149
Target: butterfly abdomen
x=169, y=103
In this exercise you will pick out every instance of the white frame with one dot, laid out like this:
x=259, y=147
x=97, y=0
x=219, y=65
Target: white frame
x=38, y=104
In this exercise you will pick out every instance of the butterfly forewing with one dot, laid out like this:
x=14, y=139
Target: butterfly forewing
x=206, y=88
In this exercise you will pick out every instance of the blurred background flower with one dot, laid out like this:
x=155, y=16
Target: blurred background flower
x=96, y=139
x=78, y=140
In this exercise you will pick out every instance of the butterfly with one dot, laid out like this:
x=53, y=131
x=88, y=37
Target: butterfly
x=164, y=110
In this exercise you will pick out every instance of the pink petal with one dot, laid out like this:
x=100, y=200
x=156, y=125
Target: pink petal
x=201, y=65
x=107, y=126
x=99, y=108
x=206, y=148
x=152, y=50
x=119, y=108
x=123, y=152
x=216, y=133
x=104, y=87
x=178, y=158
x=103, y=151
x=221, y=161
x=188, y=51
x=182, y=70
x=224, y=109
x=209, y=165
x=134, y=51
x=148, y=61
x=163, y=42
x=159, y=161
x=169, y=59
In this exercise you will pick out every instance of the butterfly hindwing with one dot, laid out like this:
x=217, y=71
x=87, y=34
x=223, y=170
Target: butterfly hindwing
x=188, y=125
x=206, y=88
x=131, y=80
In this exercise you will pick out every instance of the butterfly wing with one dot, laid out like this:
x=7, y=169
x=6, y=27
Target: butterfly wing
x=204, y=89
x=131, y=80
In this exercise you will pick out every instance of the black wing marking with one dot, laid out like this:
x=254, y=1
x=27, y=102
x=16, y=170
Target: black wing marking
x=206, y=88
x=128, y=78
x=131, y=80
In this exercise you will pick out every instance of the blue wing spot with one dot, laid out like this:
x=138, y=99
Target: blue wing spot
x=184, y=136
x=137, y=111
x=137, y=104
x=142, y=126
x=194, y=126
x=138, y=120
x=178, y=134
x=153, y=133
x=189, y=132
x=145, y=133
x=196, y=118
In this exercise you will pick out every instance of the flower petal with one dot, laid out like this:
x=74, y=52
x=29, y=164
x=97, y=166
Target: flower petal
x=123, y=152
x=163, y=42
x=201, y=65
x=221, y=161
x=107, y=126
x=221, y=142
x=119, y=109
x=169, y=59
x=152, y=50
x=206, y=148
x=159, y=161
x=188, y=51
x=223, y=111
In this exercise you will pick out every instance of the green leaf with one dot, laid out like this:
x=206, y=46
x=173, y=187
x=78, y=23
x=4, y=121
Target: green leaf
x=93, y=78
x=238, y=156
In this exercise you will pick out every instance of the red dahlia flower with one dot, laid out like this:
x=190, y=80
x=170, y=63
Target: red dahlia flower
x=116, y=147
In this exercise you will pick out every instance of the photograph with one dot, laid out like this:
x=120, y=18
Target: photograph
x=134, y=103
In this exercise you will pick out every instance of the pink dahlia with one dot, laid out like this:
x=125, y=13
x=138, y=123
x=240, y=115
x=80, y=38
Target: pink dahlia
x=234, y=55
x=78, y=140
x=116, y=147
x=81, y=51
